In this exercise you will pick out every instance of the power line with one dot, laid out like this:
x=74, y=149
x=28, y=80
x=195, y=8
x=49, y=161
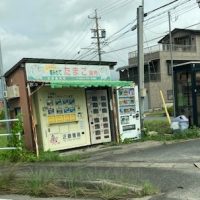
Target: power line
x=69, y=46
x=166, y=11
x=121, y=29
x=163, y=20
x=161, y=7
x=118, y=35
x=131, y=46
x=118, y=4
x=127, y=32
x=135, y=20
x=115, y=6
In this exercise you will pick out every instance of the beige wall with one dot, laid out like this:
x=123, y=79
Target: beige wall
x=18, y=78
x=197, y=40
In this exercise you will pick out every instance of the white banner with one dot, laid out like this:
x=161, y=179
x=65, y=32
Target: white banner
x=56, y=72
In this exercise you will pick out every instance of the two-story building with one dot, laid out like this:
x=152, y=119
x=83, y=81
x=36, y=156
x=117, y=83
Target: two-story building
x=157, y=67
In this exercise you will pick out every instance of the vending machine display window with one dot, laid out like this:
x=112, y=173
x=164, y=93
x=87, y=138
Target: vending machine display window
x=60, y=109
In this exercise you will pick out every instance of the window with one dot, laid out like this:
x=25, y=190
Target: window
x=169, y=95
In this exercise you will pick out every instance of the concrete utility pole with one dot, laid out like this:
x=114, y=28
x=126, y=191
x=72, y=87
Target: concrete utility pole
x=98, y=40
x=140, y=41
x=171, y=57
x=170, y=39
x=3, y=89
x=98, y=33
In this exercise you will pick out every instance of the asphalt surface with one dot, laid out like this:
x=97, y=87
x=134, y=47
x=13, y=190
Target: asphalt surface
x=169, y=167
x=184, y=152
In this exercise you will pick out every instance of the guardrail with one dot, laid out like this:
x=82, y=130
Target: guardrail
x=9, y=134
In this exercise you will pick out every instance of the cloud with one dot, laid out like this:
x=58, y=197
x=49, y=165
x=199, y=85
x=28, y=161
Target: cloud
x=60, y=28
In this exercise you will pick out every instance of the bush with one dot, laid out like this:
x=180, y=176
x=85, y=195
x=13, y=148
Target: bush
x=14, y=141
x=2, y=114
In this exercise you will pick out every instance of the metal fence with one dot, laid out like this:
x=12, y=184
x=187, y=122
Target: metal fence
x=9, y=134
x=165, y=48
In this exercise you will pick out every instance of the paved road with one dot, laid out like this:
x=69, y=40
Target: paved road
x=184, y=152
x=170, y=167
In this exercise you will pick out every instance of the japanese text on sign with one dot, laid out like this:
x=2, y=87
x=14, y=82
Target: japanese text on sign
x=51, y=72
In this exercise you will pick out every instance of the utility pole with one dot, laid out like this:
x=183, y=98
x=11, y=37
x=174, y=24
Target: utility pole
x=98, y=33
x=171, y=57
x=3, y=89
x=98, y=40
x=170, y=40
x=140, y=42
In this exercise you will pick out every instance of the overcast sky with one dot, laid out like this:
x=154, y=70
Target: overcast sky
x=61, y=28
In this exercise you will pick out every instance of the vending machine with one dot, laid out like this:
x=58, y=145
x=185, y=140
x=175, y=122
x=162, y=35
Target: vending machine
x=62, y=120
x=128, y=112
x=98, y=113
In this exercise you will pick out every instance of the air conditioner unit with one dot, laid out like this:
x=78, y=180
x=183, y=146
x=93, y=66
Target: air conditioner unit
x=12, y=91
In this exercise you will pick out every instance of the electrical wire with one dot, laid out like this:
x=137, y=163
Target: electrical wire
x=69, y=46
x=165, y=19
x=118, y=35
x=118, y=56
x=115, y=6
x=163, y=12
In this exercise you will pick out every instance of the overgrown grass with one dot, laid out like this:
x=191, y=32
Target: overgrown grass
x=52, y=184
x=164, y=133
x=37, y=182
x=26, y=156
x=149, y=189
x=3, y=139
x=160, y=126
x=159, y=113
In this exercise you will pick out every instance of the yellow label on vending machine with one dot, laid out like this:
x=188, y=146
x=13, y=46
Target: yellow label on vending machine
x=51, y=119
x=59, y=119
x=66, y=118
x=72, y=117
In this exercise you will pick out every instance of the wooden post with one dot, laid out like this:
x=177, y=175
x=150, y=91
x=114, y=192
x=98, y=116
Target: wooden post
x=115, y=115
x=33, y=122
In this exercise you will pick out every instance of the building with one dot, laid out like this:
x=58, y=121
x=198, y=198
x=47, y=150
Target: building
x=187, y=91
x=64, y=103
x=157, y=68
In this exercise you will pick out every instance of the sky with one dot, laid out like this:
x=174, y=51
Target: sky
x=61, y=29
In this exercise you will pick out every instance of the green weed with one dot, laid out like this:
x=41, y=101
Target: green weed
x=159, y=126
x=149, y=189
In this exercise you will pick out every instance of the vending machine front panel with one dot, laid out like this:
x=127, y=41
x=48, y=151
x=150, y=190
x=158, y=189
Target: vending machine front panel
x=128, y=112
x=98, y=112
x=63, y=118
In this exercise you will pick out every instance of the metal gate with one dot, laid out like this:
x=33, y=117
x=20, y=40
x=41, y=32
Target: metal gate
x=98, y=111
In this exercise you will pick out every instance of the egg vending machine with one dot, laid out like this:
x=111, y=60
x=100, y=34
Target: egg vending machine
x=98, y=111
x=62, y=118
x=128, y=112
